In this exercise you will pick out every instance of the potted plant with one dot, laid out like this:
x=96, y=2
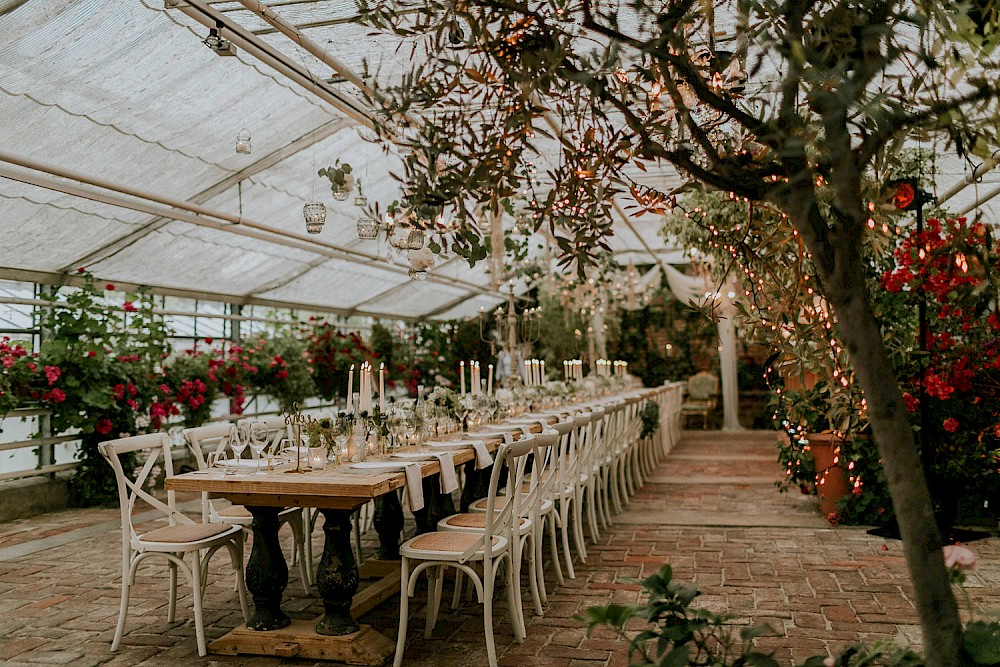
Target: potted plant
x=341, y=179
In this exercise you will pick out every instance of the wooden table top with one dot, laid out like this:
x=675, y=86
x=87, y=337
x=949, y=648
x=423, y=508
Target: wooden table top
x=337, y=487
x=341, y=487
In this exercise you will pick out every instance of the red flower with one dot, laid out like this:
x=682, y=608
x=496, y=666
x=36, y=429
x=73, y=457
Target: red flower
x=132, y=404
x=281, y=375
x=912, y=403
x=91, y=353
x=110, y=287
x=52, y=374
x=209, y=340
x=132, y=389
x=951, y=424
x=129, y=307
x=57, y=395
x=32, y=367
x=119, y=391
x=80, y=270
x=103, y=426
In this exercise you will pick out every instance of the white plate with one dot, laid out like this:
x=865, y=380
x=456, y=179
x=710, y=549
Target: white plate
x=379, y=465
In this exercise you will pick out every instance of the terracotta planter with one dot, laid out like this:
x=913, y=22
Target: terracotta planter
x=831, y=473
x=799, y=382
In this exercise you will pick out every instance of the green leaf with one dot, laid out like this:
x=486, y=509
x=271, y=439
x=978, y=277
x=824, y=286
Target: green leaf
x=760, y=659
x=676, y=658
x=982, y=642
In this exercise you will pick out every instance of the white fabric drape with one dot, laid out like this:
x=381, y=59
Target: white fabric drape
x=697, y=289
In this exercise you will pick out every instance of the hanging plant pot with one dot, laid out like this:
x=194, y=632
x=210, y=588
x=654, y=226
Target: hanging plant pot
x=315, y=215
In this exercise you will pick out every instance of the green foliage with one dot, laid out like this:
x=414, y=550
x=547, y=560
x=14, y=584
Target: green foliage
x=645, y=334
x=382, y=344
x=650, y=417
x=981, y=643
x=679, y=633
x=332, y=353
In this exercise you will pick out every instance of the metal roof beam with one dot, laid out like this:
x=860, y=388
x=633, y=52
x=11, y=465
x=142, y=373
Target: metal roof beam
x=272, y=57
x=115, y=246
x=60, y=279
x=199, y=215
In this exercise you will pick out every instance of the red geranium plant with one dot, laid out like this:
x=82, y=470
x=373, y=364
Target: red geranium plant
x=954, y=267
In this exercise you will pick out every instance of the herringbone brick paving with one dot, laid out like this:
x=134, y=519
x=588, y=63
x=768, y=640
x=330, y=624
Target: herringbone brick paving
x=710, y=509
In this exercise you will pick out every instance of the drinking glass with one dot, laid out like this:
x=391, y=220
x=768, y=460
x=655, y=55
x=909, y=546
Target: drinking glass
x=342, y=434
x=237, y=443
x=258, y=441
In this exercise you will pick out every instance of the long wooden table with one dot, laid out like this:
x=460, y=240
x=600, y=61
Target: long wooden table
x=336, y=492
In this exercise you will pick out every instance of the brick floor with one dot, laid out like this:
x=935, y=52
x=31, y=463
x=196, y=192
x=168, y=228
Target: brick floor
x=711, y=510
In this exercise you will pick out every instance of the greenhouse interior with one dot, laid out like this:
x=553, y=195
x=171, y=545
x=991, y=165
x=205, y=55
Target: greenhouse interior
x=519, y=332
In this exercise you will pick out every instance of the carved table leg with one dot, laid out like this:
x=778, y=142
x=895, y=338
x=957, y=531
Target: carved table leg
x=267, y=573
x=433, y=509
x=337, y=576
x=388, y=524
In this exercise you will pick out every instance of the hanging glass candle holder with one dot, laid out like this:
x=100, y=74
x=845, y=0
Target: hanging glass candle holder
x=340, y=191
x=367, y=228
x=361, y=201
x=315, y=215
x=417, y=274
x=243, y=141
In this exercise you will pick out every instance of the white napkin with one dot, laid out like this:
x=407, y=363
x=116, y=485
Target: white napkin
x=483, y=458
x=414, y=486
x=449, y=480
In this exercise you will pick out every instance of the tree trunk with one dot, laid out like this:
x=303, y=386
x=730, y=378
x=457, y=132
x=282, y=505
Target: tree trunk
x=844, y=286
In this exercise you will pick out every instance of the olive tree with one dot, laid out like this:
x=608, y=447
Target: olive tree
x=790, y=103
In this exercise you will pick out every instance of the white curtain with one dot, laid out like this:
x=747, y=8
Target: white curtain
x=699, y=290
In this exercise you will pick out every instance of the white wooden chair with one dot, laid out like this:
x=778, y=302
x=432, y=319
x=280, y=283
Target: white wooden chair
x=215, y=438
x=172, y=542
x=529, y=523
x=490, y=548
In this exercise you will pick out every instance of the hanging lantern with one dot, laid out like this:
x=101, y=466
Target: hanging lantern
x=361, y=201
x=367, y=228
x=415, y=239
x=417, y=274
x=243, y=141
x=315, y=215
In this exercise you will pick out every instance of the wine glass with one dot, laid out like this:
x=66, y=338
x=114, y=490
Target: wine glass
x=237, y=443
x=341, y=433
x=258, y=441
x=410, y=426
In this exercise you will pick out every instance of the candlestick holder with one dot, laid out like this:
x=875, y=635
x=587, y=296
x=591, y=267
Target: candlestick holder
x=297, y=420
